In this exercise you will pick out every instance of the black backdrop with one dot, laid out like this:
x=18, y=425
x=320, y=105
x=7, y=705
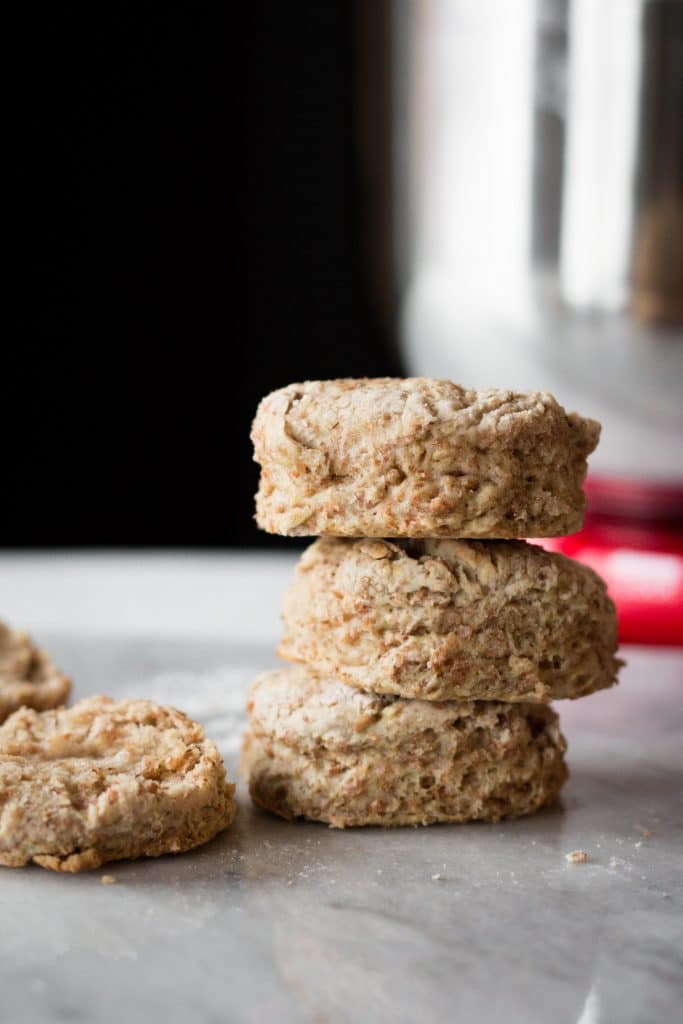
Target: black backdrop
x=188, y=237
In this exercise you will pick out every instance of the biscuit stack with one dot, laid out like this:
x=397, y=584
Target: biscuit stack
x=424, y=663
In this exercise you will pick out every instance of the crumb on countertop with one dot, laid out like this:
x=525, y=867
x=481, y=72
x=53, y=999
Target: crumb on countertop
x=576, y=857
x=437, y=877
x=107, y=880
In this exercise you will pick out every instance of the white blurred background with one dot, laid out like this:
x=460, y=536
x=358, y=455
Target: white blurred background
x=539, y=197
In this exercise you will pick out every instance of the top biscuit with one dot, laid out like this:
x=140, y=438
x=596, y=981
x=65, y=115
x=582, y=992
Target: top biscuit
x=418, y=458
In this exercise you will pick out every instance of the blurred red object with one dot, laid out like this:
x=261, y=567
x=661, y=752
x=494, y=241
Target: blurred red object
x=642, y=564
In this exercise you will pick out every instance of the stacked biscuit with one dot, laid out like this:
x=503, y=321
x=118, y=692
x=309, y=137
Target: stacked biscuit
x=425, y=662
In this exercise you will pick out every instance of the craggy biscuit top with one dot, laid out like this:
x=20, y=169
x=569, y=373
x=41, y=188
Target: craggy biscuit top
x=336, y=418
x=118, y=737
x=418, y=457
x=465, y=571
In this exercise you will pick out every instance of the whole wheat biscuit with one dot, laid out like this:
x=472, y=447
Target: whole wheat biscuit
x=418, y=458
x=27, y=676
x=319, y=749
x=451, y=620
x=106, y=780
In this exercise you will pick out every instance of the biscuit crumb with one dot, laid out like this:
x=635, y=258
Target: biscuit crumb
x=437, y=878
x=576, y=857
x=364, y=721
x=108, y=880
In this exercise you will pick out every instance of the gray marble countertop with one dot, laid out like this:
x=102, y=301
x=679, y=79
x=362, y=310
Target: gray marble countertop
x=280, y=922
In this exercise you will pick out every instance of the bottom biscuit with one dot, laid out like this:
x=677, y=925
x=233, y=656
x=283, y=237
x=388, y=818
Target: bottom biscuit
x=319, y=749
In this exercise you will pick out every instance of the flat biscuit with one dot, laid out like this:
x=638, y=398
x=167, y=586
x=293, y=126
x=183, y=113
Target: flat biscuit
x=27, y=676
x=451, y=620
x=107, y=780
x=319, y=749
x=418, y=458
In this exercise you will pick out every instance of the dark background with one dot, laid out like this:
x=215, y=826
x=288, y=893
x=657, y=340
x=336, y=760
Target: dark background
x=196, y=192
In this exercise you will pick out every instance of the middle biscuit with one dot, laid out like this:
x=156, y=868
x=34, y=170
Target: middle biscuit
x=451, y=620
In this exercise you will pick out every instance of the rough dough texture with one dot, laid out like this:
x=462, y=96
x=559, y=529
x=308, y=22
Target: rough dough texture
x=319, y=749
x=27, y=676
x=418, y=458
x=106, y=780
x=451, y=620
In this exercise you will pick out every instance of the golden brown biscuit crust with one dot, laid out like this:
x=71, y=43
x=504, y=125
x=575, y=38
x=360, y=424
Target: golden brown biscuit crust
x=451, y=620
x=318, y=749
x=418, y=458
x=28, y=677
x=107, y=780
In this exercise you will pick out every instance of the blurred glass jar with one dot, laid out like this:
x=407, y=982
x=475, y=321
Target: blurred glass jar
x=537, y=167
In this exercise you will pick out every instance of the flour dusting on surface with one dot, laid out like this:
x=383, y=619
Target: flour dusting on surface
x=216, y=699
